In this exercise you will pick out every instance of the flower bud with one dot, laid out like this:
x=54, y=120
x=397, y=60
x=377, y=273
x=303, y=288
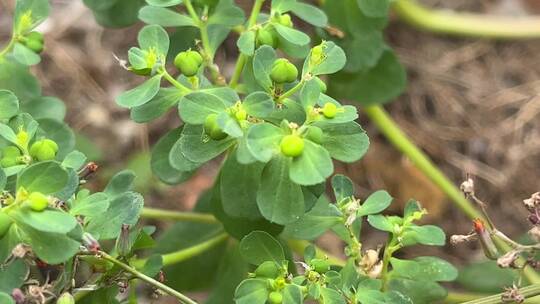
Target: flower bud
x=508, y=259
x=456, y=239
x=285, y=20
x=43, y=150
x=90, y=242
x=317, y=55
x=212, y=129
x=283, y=71
x=66, y=298
x=532, y=202
x=320, y=265
x=240, y=114
x=268, y=269
x=38, y=201
x=23, y=138
x=267, y=36
x=188, y=62
x=467, y=187
x=124, y=242
x=292, y=145
x=490, y=250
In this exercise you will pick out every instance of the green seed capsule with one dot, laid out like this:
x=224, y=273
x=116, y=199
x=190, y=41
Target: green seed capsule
x=5, y=223
x=320, y=265
x=315, y=134
x=212, y=129
x=66, y=298
x=268, y=270
x=35, y=36
x=275, y=297
x=283, y=71
x=267, y=36
x=292, y=145
x=317, y=55
x=329, y=110
x=188, y=62
x=43, y=150
x=240, y=115
x=38, y=201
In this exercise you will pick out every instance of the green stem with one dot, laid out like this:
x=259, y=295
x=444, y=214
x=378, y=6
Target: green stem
x=467, y=24
x=400, y=140
x=160, y=214
x=175, y=82
x=147, y=279
x=527, y=292
x=192, y=12
x=8, y=47
x=187, y=253
x=242, y=59
x=388, y=251
x=291, y=92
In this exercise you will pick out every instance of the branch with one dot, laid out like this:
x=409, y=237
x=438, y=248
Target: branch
x=160, y=214
x=467, y=24
x=527, y=292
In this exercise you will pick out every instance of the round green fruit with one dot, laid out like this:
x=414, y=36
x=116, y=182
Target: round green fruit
x=283, y=71
x=38, y=201
x=188, y=62
x=35, y=36
x=320, y=265
x=275, y=297
x=66, y=298
x=329, y=110
x=5, y=223
x=315, y=134
x=35, y=45
x=44, y=149
x=212, y=129
x=268, y=270
x=292, y=145
x=267, y=36
x=285, y=20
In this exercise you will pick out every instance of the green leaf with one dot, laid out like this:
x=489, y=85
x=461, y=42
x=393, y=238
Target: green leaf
x=246, y=43
x=282, y=6
x=92, y=205
x=25, y=55
x=309, y=13
x=315, y=222
x=396, y=297
x=227, y=15
x=292, y=294
x=494, y=278
x=380, y=222
x=6, y=298
x=7, y=133
x=53, y=248
x=120, y=183
x=310, y=93
x=46, y=220
x=375, y=203
x=16, y=78
x=291, y=35
x=312, y=167
x=251, y=291
x=343, y=187
x=424, y=269
x=411, y=208
x=164, y=100
x=334, y=60
x=279, y=199
x=9, y=104
x=12, y=276
x=232, y=270
x=45, y=107
x=378, y=85
x=262, y=65
x=164, y=17
x=195, y=107
x=45, y=177
x=29, y=14
x=229, y=125
x=331, y=296
x=3, y=179
x=198, y=148
x=374, y=8
x=161, y=163
x=259, y=104
x=426, y=235
x=123, y=209
x=163, y=3
x=420, y=292
x=259, y=246
x=346, y=142
x=239, y=186
x=74, y=160
x=140, y=94
x=154, y=37
x=263, y=141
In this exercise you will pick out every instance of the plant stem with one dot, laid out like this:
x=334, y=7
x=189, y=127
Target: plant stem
x=242, y=59
x=388, y=251
x=400, y=140
x=8, y=47
x=291, y=92
x=299, y=246
x=145, y=278
x=187, y=253
x=175, y=82
x=527, y=292
x=160, y=214
x=467, y=24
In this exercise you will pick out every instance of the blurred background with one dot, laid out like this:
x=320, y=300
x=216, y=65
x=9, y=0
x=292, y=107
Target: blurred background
x=472, y=105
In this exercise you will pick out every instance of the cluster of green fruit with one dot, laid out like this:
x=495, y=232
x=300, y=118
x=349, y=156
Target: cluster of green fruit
x=33, y=41
x=40, y=150
x=267, y=35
